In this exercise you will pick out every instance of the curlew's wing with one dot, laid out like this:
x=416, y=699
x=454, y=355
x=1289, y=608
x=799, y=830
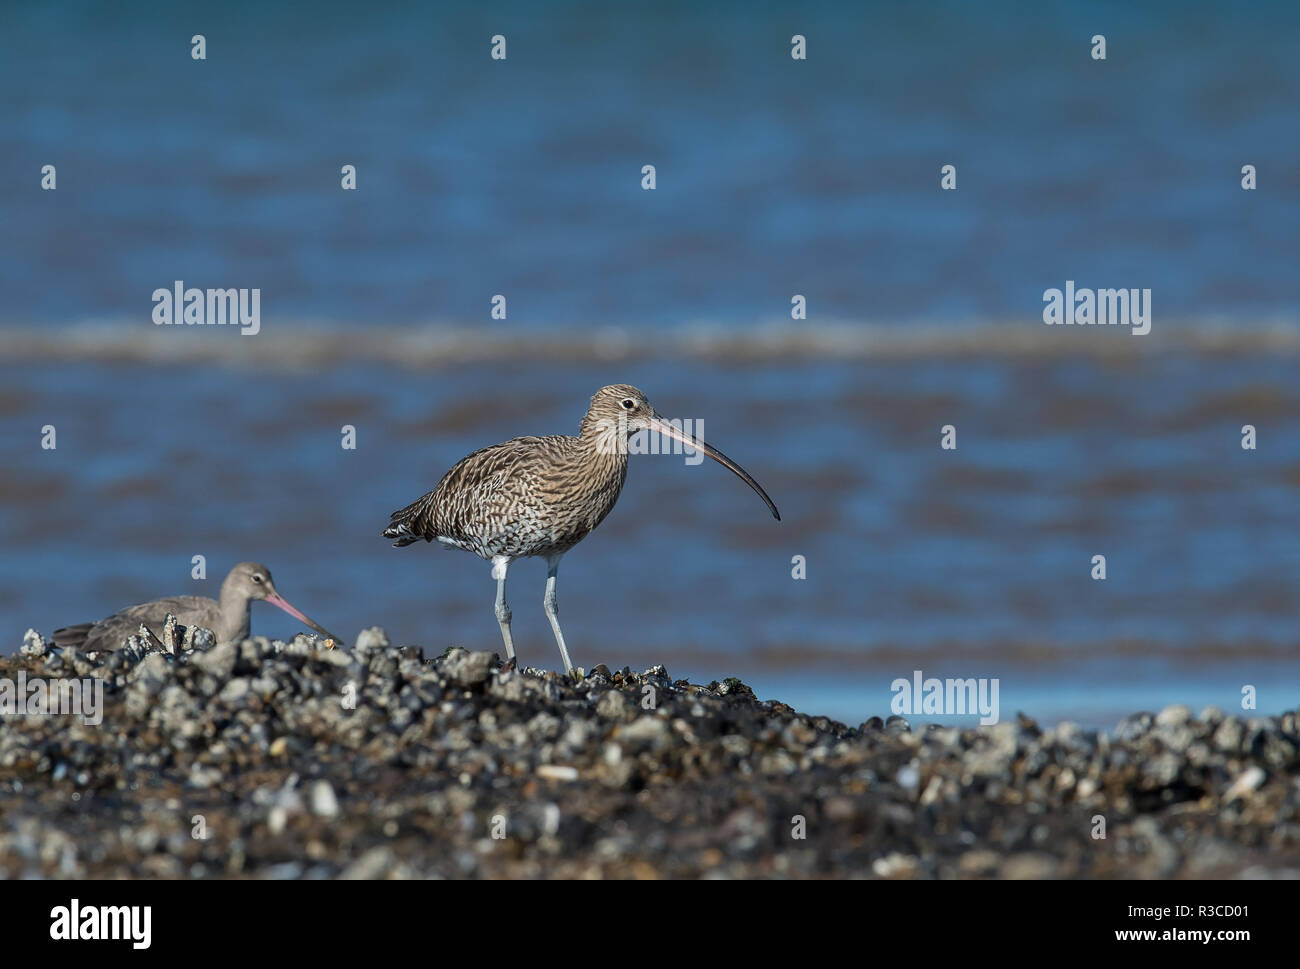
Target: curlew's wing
x=477, y=496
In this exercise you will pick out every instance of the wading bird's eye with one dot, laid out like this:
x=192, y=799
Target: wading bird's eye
x=629, y=404
x=257, y=578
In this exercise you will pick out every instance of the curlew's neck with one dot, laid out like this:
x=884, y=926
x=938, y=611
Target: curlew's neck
x=604, y=436
x=602, y=444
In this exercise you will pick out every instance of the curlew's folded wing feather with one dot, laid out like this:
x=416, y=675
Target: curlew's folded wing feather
x=482, y=494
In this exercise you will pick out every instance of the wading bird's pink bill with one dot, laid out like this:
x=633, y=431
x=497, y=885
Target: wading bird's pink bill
x=281, y=602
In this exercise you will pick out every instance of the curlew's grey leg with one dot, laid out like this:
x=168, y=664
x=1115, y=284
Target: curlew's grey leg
x=553, y=609
x=499, y=565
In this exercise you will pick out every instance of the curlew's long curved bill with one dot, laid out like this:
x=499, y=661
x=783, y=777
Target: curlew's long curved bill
x=281, y=602
x=660, y=425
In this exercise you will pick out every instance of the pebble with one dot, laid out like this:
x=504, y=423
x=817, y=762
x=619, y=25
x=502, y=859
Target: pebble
x=1174, y=716
x=1246, y=783
x=323, y=802
x=266, y=741
x=557, y=772
x=468, y=669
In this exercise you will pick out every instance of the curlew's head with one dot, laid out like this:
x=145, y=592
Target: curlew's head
x=620, y=410
x=249, y=581
x=621, y=406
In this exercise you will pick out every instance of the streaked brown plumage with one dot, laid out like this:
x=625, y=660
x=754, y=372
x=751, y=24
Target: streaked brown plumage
x=541, y=495
x=228, y=618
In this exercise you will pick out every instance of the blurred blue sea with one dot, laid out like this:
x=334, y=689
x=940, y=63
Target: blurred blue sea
x=775, y=177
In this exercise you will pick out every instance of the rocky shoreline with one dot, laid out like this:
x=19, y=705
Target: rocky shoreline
x=288, y=760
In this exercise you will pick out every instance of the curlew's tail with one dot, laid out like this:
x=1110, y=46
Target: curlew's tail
x=402, y=525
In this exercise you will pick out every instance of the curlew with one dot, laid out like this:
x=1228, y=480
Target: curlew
x=228, y=618
x=540, y=496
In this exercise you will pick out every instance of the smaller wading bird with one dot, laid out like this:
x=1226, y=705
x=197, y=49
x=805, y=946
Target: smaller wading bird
x=228, y=618
x=541, y=495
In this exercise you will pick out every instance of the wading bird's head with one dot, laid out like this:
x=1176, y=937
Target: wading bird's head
x=249, y=580
x=620, y=410
x=621, y=406
x=252, y=581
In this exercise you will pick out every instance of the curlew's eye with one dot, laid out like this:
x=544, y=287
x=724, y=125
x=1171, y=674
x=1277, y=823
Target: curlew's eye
x=629, y=404
x=257, y=578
